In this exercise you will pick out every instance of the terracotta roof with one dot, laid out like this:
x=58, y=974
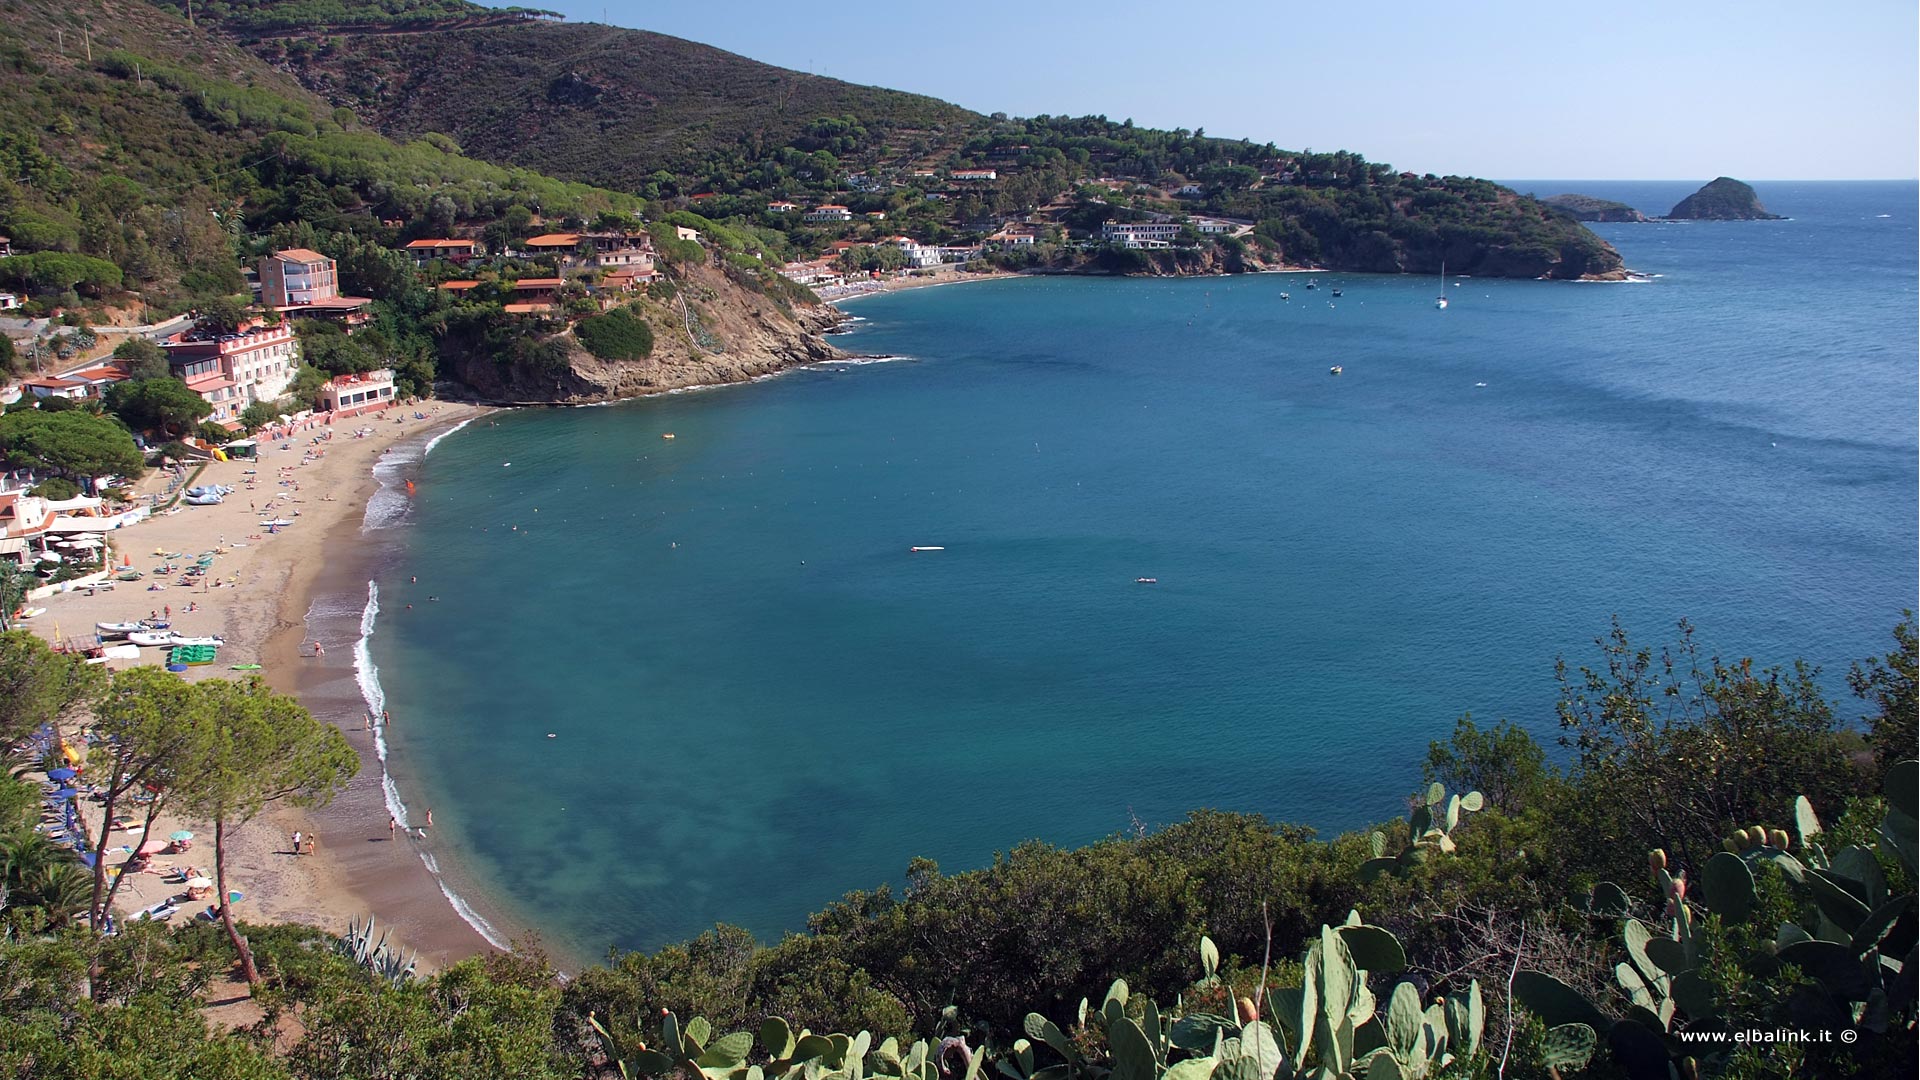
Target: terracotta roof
x=304, y=255
x=415, y=244
x=538, y=283
x=559, y=239
x=459, y=286
x=104, y=371
x=525, y=309
x=51, y=384
x=212, y=380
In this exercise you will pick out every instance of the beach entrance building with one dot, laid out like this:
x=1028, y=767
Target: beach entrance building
x=354, y=393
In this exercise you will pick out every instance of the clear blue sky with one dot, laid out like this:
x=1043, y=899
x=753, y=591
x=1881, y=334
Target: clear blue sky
x=1631, y=90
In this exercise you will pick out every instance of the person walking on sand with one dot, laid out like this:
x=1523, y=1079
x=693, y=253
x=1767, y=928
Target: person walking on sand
x=296, y=841
x=392, y=824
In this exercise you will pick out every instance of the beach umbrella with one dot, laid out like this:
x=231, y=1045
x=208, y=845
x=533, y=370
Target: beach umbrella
x=63, y=793
x=181, y=834
x=153, y=847
x=62, y=773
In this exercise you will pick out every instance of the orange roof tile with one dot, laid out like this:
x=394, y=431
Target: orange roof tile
x=459, y=286
x=560, y=239
x=305, y=255
x=538, y=283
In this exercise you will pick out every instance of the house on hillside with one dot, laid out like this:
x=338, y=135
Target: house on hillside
x=829, y=212
x=782, y=207
x=232, y=371
x=429, y=250
x=8, y=301
x=537, y=290
x=6, y=247
x=353, y=393
x=973, y=175
x=89, y=382
x=624, y=281
x=561, y=245
x=301, y=283
x=625, y=257
x=681, y=232
x=458, y=287
x=1013, y=236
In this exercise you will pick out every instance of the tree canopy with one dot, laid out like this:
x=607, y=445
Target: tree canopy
x=164, y=405
x=73, y=443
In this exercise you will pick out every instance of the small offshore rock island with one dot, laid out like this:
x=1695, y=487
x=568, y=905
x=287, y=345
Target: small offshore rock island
x=1723, y=199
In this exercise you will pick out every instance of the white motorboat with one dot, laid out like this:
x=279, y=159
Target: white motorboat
x=153, y=639
x=209, y=640
x=118, y=629
x=1441, y=301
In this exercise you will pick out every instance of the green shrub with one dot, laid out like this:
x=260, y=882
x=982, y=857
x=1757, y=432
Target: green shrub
x=620, y=334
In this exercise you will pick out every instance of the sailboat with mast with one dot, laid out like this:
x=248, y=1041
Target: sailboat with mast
x=1440, y=302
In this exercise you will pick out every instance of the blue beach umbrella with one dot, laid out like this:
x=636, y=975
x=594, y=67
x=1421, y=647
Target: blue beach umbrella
x=179, y=835
x=63, y=793
x=61, y=773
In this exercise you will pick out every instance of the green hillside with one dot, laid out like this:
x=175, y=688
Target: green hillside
x=674, y=120
x=128, y=136
x=585, y=101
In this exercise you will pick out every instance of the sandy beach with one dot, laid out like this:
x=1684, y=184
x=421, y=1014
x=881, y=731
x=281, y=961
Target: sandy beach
x=256, y=597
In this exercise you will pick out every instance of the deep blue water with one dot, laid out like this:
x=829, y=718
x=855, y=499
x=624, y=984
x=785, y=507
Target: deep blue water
x=760, y=699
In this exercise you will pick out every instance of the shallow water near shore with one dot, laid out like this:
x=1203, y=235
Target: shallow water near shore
x=647, y=685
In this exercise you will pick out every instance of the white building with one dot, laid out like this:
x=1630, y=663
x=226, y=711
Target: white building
x=351, y=393
x=829, y=212
x=974, y=174
x=1136, y=234
x=232, y=371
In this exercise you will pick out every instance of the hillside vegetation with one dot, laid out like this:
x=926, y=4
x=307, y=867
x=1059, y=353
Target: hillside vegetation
x=678, y=121
x=1600, y=919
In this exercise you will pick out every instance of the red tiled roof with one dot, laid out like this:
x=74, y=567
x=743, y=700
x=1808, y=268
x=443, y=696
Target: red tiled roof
x=305, y=255
x=212, y=380
x=538, y=283
x=104, y=371
x=563, y=239
x=417, y=244
x=51, y=384
x=459, y=286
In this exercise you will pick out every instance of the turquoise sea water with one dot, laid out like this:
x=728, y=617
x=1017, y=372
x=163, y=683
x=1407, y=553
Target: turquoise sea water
x=759, y=699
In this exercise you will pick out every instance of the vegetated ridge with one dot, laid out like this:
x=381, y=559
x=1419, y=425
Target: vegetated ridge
x=700, y=128
x=144, y=163
x=1722, y=199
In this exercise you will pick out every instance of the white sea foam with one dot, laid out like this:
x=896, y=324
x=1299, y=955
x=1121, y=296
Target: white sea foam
x=367, y=675
x=435, y=441
x=861, y=361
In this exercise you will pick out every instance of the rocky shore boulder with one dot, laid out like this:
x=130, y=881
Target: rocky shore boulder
x=1725, y=199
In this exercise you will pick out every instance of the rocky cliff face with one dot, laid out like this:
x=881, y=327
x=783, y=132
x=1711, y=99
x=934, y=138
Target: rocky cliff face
x=712, y=330
x=1725, y=199
x=1588, y=208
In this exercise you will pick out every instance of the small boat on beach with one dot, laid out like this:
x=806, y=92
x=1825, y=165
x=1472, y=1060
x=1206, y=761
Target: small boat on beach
x=152, y=639
x=191, y=641
x=118, y=629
